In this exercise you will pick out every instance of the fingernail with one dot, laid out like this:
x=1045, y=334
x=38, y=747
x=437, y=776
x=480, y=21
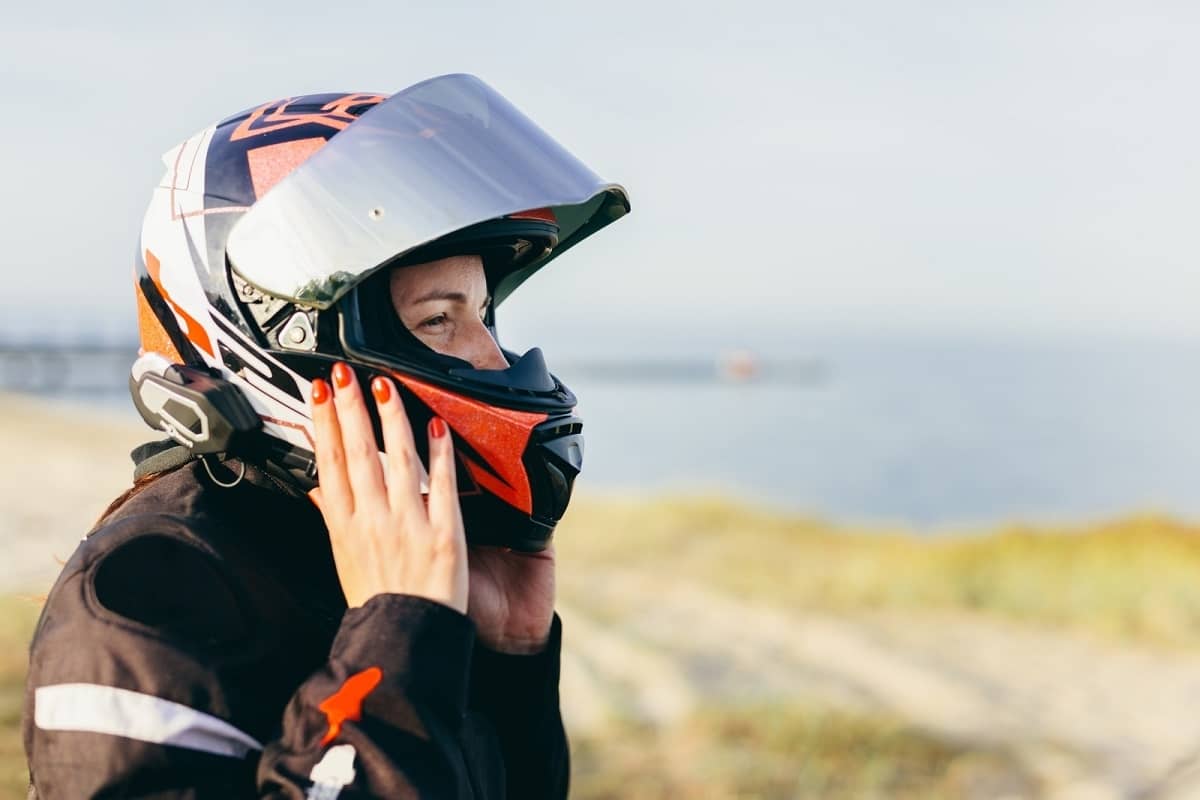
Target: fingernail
x=381, y=389
x=437, y=428
x=341, y=375
x=320, y=391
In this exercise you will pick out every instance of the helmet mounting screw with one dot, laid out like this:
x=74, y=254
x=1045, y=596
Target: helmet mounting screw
x=298, y=333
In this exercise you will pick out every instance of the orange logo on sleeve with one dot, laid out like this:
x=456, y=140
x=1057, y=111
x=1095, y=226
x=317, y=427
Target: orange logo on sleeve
x=346, y=703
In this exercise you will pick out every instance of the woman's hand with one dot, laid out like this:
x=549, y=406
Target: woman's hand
x=384, y=538
x=512, y=598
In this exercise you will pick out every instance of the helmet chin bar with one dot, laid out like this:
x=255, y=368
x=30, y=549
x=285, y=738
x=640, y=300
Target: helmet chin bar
x=557, y=446
x=527, y=373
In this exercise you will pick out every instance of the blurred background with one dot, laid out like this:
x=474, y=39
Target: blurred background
x=887, y=380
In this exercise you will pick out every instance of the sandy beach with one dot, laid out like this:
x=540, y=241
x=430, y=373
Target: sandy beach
x=1089, y=719
x=62, y=466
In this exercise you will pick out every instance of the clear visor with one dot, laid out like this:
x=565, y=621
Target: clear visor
x=435, y=158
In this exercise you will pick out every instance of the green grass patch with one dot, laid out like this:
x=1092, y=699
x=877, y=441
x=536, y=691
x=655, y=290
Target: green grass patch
x=1137, y=577
x=785, y=752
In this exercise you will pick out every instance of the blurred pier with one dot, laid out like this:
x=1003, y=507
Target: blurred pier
x=65, y=367
x=103, y=367
x=724, y=367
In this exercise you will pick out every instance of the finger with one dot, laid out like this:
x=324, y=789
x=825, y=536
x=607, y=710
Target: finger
x=358, y=439
x=331, y=458
x=403, y=481
x=445, y=513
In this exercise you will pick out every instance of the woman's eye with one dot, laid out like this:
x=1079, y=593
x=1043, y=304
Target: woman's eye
x=434, y=322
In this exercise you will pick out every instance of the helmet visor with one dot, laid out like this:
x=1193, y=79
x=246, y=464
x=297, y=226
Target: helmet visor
x=435, y=158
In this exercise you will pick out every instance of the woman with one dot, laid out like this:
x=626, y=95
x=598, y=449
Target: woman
x=218, y=634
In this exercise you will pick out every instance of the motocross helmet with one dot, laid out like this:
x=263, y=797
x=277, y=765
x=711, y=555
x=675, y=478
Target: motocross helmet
x=264, y=259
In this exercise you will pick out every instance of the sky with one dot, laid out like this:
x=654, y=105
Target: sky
x=1023, y=168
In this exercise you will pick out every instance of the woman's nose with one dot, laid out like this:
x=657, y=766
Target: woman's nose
x=485, y=353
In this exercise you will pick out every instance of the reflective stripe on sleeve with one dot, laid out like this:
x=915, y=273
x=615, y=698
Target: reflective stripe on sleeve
x=92, y=708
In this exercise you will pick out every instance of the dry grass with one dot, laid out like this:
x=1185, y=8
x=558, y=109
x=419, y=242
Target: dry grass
x=786, y=752
x=1137, y=577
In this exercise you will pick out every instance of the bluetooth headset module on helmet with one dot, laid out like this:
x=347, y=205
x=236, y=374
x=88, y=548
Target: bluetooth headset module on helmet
x=263, y=260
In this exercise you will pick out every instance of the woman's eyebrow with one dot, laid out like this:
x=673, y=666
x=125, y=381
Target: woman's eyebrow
x=440, y=294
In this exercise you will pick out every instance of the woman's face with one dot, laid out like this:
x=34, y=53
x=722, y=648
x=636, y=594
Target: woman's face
x=443, y=304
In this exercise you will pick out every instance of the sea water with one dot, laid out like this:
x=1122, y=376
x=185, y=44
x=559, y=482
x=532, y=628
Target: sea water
x=931, y=432
x=926, y=432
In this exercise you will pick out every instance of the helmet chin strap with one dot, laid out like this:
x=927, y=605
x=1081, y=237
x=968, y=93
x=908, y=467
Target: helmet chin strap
x=217, y=481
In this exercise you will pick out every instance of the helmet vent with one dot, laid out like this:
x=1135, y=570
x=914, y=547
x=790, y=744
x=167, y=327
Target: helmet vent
x=563, y=430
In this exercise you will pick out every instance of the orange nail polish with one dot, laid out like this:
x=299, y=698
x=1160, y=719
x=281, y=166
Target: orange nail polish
x=381, y=389
x=320, y=391
x=341, y=375
x=437, y=428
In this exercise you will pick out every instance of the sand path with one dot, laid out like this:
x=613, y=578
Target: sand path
x=1091, y=719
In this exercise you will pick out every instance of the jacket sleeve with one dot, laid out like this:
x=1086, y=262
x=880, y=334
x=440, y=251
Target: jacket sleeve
x=383, y=718
x=118, y=708
x=519, y=697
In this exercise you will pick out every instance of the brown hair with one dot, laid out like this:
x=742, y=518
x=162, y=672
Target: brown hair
x=139, y=484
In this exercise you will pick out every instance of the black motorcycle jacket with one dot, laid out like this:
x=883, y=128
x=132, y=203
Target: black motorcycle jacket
x=197, y=645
